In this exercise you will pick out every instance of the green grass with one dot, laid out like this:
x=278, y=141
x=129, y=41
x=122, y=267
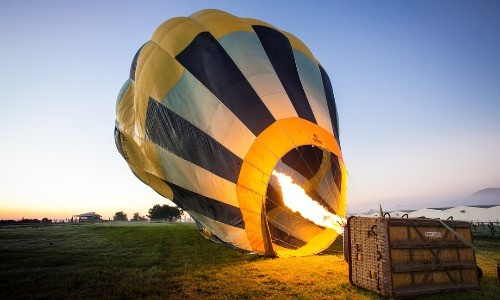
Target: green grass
x=163, y=261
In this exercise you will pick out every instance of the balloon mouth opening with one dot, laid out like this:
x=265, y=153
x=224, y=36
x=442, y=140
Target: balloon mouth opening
x=302, y=198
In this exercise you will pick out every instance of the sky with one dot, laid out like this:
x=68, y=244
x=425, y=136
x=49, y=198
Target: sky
x=417, y=86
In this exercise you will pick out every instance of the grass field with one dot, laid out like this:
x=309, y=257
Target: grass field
x=173, y=261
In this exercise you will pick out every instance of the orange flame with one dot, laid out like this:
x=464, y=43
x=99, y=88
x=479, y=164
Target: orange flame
x=297, y=200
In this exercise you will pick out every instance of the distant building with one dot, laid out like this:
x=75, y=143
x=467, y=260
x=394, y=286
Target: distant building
x=90, y=217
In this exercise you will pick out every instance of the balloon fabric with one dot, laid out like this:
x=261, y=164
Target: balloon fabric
x=213, y=105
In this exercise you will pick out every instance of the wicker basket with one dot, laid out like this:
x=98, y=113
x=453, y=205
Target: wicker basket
x=409, y=257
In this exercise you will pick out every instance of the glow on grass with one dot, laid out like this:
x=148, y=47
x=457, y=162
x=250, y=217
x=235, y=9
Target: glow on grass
x=297, y=200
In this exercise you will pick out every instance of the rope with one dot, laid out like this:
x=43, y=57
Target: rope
x=354, y=190
x=468, y=243
x=297, y=148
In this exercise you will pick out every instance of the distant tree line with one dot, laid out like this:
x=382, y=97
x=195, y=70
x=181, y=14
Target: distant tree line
x=162, y=212
x=26, y=221
x=137, y=218
x=120, y=216
x=157, y=212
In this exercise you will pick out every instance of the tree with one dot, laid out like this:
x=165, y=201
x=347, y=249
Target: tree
x=159, y=212
x=46, y=221
x=120, y=216
x=138, y=217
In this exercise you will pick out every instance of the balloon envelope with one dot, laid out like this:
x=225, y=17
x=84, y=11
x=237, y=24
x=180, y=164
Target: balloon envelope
x=213, y=105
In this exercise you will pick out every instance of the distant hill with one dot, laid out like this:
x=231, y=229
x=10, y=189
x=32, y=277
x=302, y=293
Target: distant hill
x=490, y=196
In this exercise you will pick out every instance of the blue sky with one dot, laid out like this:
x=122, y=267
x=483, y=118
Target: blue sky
x=417, y=87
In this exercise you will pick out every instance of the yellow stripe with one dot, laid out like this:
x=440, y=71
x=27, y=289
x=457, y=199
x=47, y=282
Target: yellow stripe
x=141, y=154
x=253, y=22
x=131, y=116
x=154, y=182
x=152, y=164
x=160, y=186
x=297, y=44
x=125, y=112
x=176, y=34
x=157, y=71
x=220, y=23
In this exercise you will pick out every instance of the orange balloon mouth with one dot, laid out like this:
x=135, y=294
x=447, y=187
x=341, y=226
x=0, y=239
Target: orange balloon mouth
x=308, y=153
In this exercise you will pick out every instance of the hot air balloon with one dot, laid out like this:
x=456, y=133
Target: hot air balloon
x=215, y=110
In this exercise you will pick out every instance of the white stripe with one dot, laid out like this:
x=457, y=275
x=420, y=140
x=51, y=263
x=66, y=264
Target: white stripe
x=328, y=190
x=192, y=101
x=196, y=179
x=312, y=82
x=247, y=52
x=292, y=224
x=230, y=234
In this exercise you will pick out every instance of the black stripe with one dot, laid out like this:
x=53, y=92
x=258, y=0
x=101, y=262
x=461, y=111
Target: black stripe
x=315, y=196
x=134, y=63
x=274, y=198
x=330, y=101
x=336, y=173
x=283, y=239
x=306, y=160
x=173, y=133
x=211, y=65
x=280, y=53
x=208, y=207
x=118, y=142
